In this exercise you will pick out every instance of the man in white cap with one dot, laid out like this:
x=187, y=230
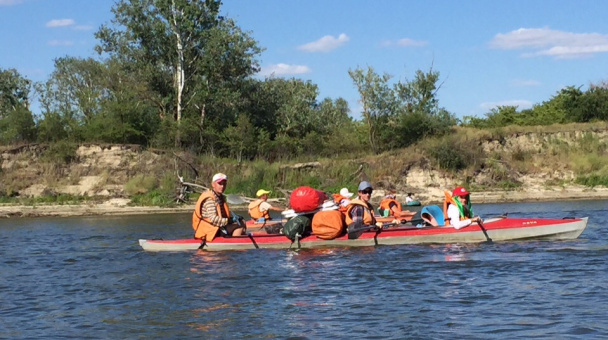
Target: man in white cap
x=211, y=214
x=259, y=210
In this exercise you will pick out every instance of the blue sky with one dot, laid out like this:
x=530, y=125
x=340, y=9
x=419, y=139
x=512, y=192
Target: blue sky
x=488, y=53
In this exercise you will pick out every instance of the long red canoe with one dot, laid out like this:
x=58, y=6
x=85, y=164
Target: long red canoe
x=497, y=230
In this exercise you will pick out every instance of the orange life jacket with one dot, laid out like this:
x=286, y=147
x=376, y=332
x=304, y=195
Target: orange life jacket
x=254, y=210
x=368, y=216
x=202, y=227
x=450, y=200
x=385, y=204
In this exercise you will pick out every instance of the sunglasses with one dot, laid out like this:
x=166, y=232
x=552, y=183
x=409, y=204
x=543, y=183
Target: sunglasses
x=367, y=191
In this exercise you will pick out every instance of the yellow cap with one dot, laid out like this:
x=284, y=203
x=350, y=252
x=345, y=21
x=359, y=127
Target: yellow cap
x=262, y=192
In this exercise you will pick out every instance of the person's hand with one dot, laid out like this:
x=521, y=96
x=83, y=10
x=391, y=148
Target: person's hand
x=379, y=225
x=395, y=221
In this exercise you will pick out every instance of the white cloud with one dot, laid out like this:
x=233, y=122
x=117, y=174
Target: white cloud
x=60, y=23
x=9, y=2
x=325, y=44
x=60, y=43
x=525, y=83
x=283, y=69
x=83, y=28
x=405, y=42
x=520, y=103
x=553, y=43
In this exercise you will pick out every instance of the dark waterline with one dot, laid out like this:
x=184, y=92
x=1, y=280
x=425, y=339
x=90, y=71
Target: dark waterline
x=88, y=278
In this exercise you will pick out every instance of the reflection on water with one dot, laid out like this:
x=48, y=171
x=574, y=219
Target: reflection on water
x=88, y=277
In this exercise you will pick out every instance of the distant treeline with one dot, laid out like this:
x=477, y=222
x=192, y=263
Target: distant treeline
x=176, y=74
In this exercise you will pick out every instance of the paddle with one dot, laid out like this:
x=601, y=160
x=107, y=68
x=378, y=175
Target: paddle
x=357, y=230
x=484, y=231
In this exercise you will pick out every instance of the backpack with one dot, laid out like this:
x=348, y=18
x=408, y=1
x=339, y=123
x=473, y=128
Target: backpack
x=328, y=225
x=299, y=225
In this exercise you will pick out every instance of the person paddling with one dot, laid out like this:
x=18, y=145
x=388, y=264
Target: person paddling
x=457, y=209
x=211, y=213
x=360, y=213
x=259, y=210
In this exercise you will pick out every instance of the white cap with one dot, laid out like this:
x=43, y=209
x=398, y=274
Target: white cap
x=344, y=192
x=219, y=177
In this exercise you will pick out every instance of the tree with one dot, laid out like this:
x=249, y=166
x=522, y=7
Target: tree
x=241, y=138
x=14, y=91
x=182, y=48
x=16, y=119
x=378, y=101
x=419, y=114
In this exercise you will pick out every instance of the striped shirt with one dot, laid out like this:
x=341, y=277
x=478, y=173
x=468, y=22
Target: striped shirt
x=209, y=211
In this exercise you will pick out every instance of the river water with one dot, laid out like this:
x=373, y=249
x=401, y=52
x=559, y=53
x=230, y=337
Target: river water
x=87, y=277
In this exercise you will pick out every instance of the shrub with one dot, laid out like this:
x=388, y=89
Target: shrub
x=140, y=184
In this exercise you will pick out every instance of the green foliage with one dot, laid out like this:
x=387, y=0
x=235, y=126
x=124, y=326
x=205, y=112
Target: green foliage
x=592, y=180
x=141, y=184
x=16, y=120
x=17, y=126
x=61, y=199
x=52, y=128
x=14, y=91
x=570, y=104
x=153, y=198
x=240, y=139
x=150, y=191
x=192, y=60
x=455, y=153
x=378, y=101
x=62, y=152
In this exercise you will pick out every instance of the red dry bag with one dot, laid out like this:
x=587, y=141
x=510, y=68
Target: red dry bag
x=304, y=199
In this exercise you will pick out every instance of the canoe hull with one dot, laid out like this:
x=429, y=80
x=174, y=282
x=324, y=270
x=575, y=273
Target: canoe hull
x=498, y=230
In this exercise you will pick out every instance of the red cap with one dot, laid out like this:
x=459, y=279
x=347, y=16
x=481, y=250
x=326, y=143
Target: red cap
x=460, y=191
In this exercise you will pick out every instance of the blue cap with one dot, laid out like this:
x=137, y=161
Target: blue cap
x=365, y=185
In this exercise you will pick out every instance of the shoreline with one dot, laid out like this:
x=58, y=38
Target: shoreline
x=118, y=207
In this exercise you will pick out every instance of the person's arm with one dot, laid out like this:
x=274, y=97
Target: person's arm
x=265, y=206
x=209, y=213
x=394, y=209
x=454, y=216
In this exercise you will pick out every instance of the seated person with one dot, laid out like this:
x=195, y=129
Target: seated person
x=457, y=208
x=211, y=214
x=389, y=206
x=360, y=213
x=259, y=210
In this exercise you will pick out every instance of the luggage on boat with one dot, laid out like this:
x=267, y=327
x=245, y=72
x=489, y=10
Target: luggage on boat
x=299, y=225
x=276, y=228
x=328, y=224
x=305, y=199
